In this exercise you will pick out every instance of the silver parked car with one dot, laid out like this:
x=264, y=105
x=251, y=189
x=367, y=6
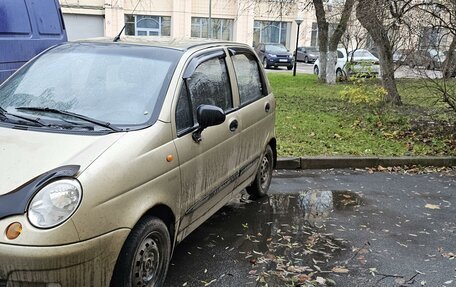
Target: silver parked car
x=112, y=153
x=308, y=54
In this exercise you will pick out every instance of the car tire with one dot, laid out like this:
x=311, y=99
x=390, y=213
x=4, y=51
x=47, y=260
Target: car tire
x=145, y=256
x=339, y=75
x=316, y=70
x=306, y=60
x=265, y=63
x=289, y=68
x=260, y=185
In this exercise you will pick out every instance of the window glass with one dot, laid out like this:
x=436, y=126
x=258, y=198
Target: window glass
x=221, y=28
x=248, y=77
x=210, y=85
x=184, y=118
x=271, y=32
x=142, y=25
x=111, y=83
x=340, y=55
x=48, y=17
x=14, y=18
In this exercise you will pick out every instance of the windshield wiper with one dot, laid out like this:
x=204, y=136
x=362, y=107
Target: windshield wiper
x=5, y=114
x=74, y=115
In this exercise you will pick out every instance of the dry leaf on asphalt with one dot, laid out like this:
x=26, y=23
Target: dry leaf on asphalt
x=432, y=206
x=340, y=269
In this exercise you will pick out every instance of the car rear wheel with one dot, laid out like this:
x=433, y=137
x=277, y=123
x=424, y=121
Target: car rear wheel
x=145, y=256
x=339, y=74
x=262, y=181
x=316, y=70
x=306, y=60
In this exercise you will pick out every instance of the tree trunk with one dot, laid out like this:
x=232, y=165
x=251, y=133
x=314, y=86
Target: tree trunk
x=331, y=67
x=449, y=67
x=334, y=41
x=367, y=16
x=322, y=37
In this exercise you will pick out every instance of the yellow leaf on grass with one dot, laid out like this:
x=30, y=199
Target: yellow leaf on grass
x=432, y=206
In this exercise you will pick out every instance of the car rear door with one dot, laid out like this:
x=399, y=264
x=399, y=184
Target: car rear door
x=256, y=111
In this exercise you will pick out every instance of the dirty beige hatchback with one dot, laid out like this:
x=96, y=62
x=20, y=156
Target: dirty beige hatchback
x=111, y=153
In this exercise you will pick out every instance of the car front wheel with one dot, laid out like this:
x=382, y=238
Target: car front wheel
x=262, y=181
x=316, y=70
x=145, y=256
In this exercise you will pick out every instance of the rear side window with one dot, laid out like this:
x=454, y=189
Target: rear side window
x=248, y=78
x=340, y=55
x=14, y=17
x=47, y=17
x=208, y=85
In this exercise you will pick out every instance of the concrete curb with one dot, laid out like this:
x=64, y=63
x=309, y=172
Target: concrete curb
x=324, y=162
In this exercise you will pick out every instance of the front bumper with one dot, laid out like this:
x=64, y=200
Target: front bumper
x=86, y=263
x=280, y=62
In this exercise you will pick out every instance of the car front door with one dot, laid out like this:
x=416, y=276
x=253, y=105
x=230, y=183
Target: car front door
x=208, y=167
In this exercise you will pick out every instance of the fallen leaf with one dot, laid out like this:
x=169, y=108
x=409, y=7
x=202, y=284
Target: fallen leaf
x=340, y=269
x=432, y=206
x=320, y=280
x=303, y=278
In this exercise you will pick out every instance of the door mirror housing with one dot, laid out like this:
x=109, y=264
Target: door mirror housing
x=207, y=116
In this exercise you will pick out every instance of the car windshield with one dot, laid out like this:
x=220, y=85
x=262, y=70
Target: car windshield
x=115, y=83
x=276, y=49
x=312, y=50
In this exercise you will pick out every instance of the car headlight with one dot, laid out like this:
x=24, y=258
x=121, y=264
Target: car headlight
x=55, y=203
x=290, y=56
x=272, y=55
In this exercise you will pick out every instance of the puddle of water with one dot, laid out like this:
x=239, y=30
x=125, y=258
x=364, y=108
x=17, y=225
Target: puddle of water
x=273, y=240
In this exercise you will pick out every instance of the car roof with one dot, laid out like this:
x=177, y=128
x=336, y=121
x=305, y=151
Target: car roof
x=182, y=44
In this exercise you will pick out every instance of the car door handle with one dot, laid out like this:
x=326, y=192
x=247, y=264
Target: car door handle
x=234, y=125
x=267, y=107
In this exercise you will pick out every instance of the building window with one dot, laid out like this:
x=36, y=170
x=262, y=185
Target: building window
x=271, y=32
x=221, y=28
x=142, y=25
x=314, y=35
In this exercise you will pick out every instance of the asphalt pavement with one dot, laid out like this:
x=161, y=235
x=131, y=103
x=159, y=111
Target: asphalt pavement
x=329, y=228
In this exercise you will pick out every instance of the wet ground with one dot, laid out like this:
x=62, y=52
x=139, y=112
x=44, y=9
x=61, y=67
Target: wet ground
x=326, y=228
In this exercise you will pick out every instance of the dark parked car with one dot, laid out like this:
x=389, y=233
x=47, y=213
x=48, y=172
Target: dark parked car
x=274, y=55
x=307, y=54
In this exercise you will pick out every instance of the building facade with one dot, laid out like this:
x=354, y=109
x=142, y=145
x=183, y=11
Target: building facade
x=246, y=21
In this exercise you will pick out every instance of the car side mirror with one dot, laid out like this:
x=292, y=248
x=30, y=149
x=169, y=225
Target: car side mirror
x=262, y=50
x=207, y=116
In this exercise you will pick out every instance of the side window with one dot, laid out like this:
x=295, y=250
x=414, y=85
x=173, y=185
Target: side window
x=184, y=117
x=248, y=78
x=340, y=55
x=210, y=85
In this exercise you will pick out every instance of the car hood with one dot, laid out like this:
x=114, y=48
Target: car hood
x=28, y=154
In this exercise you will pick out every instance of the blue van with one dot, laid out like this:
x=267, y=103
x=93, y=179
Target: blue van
x=27, y=27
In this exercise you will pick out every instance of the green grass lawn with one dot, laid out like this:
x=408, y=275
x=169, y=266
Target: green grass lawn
x=313, y=119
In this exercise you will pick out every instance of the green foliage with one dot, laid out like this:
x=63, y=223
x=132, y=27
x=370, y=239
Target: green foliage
x=313, y=119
